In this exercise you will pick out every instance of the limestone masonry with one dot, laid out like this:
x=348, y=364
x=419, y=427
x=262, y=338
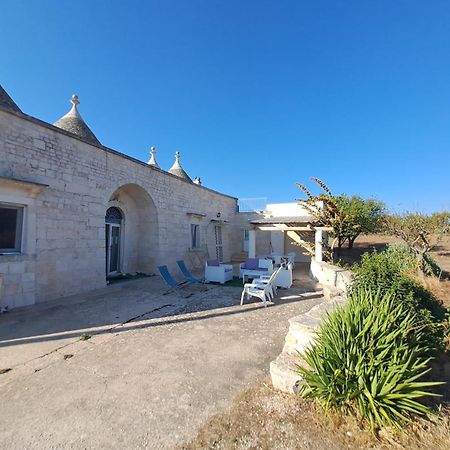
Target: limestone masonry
x=62, y=184
x=74, y=213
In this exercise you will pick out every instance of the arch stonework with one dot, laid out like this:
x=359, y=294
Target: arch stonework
x=64, y=226
x=140, y=231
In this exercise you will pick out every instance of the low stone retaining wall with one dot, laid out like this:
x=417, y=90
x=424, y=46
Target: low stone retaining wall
x=302, y=329
x=331, y=276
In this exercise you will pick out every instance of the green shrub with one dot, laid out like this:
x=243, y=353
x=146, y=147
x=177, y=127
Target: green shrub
x=410, y=262
x=404, y=256
x=364, y=362
x=389, y=272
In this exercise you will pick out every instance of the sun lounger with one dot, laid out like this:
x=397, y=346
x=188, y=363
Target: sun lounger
x=189, y=277
x=168, y=279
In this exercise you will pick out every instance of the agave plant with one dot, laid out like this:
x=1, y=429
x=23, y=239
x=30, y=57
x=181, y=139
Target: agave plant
x=363, y=363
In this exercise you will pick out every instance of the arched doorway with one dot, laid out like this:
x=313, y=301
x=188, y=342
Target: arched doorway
x=138, y=230
x=113, y=225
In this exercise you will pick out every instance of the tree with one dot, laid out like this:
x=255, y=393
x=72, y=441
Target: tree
x=359, y=216
x=346, y=217
x=421, y=233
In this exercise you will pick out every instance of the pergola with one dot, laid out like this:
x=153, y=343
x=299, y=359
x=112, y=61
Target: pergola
x=285, y=224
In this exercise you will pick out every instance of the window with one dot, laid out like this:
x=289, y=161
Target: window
x=11, y=218
x=195, y=236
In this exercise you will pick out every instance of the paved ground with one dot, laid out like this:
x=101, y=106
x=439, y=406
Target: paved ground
x=156, y=367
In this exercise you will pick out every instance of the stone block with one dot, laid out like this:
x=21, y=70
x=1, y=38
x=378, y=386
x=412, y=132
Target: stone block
x=329, y=292
x=298, y=340
x=39, y=144
x=12, y=289
x=284, y=374
x=304, y=322
x=329, y=275
x=16, y=267
x=321, y=310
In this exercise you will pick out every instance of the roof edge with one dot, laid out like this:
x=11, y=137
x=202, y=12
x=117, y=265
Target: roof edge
x=7, y=102
x=49, y=126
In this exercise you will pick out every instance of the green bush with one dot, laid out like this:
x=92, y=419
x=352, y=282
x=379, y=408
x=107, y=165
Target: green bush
x=410, y=262
x=389, y=272
x=404, y=256
x=365, y=362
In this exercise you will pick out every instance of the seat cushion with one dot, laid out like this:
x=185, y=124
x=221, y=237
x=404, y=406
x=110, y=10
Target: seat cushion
x=213, y=263
x=251, y=264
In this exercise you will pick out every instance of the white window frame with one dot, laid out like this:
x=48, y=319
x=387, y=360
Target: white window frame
x=19, y=229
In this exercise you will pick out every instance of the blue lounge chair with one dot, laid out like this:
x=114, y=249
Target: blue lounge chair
x=187, y=274
x=168, y=279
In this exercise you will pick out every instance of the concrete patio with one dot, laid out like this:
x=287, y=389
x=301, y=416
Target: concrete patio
x=154, y=369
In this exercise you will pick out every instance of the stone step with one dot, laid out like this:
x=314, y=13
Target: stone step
x=283, y=372
x=303, y=328
x=302, y=331
x=297, y=340
x=321, y=310
x=332, y=293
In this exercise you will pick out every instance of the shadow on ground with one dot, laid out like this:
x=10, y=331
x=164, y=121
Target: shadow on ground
x=125, y=306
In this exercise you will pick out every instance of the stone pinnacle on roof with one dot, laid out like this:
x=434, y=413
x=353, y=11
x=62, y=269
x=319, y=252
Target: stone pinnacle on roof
x=74, y=123
x=7, y=102
x=177, y=170
x=152, y=160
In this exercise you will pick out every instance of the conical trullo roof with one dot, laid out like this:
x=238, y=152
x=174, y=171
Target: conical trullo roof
x=74, y=123
x=152, y=160
x=177, y=170
x=7, y=102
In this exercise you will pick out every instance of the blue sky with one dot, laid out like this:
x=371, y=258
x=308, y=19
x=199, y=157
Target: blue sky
x=256, y=95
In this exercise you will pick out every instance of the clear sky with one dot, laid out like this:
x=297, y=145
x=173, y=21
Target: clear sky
x=256, y=95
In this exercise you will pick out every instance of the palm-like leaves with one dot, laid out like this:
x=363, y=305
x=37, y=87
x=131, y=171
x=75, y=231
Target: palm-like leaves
x=362, y=361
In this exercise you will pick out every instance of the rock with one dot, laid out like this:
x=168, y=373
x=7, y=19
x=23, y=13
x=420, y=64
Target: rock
x=284, y=372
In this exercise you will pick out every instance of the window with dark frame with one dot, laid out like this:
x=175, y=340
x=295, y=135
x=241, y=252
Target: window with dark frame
x=195, y=235
x=11, y=218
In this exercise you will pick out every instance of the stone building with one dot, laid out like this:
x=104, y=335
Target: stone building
x=73, y=211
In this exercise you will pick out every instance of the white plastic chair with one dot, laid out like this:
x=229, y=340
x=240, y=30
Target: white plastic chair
x=269, y=280
x=252, y=290
x=276, y=258
x=291, y=258
x=263, y=288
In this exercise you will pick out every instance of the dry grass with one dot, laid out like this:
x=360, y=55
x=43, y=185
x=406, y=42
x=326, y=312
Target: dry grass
x=263, y=418
x=440, y=288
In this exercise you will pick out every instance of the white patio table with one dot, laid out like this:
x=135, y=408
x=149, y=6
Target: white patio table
x=246, y=274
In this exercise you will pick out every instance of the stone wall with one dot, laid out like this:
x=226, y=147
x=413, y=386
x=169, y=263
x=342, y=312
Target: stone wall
x=66, y=223
x=242, y=222
x=331, y=276
x=303, y=328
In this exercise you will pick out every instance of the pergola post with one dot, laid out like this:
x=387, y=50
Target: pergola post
x=318, y=253
x=252, y=244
